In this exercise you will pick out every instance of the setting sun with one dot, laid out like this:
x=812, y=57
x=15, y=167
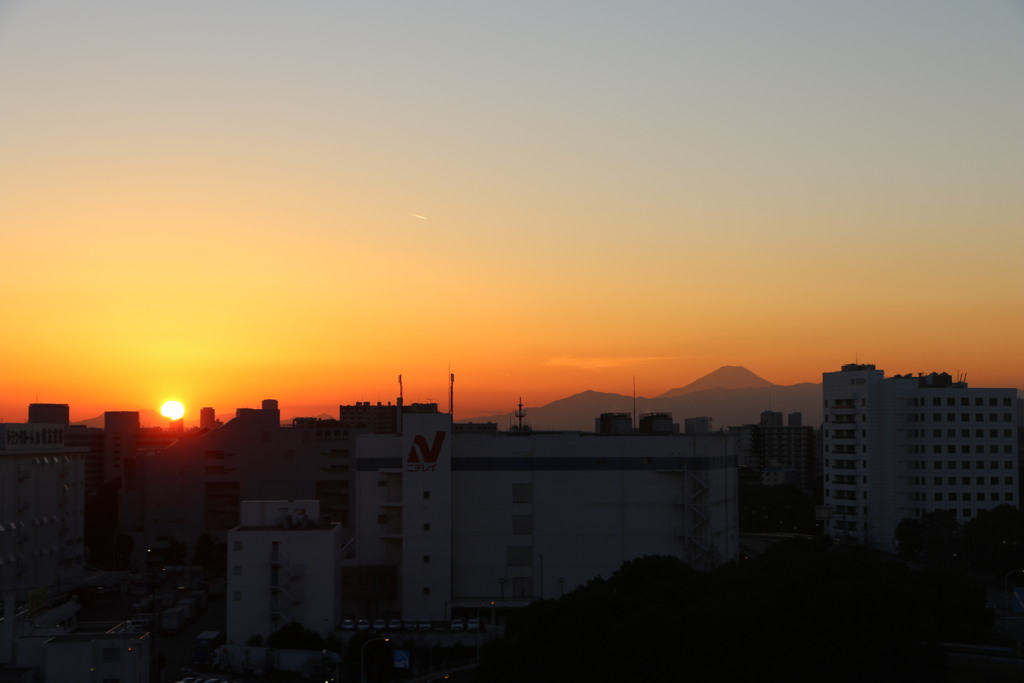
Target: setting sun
x=172, y=409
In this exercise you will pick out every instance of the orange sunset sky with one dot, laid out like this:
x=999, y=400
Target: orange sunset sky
x=222, y=202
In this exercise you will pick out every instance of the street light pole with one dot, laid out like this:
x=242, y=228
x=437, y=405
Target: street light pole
x=362, y=657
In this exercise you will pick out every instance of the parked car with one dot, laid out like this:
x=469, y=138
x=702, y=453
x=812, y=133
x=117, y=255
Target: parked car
x=473, y=625
x=363, y=625
x=424, y=625
x=458, y=625
x=348, y=625
x=379, y=625
x=394, y=624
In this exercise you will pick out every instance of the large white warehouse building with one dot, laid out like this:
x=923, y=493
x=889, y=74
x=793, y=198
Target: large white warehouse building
x=466, y=517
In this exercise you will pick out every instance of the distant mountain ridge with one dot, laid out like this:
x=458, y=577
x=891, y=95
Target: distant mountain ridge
x=730, y=396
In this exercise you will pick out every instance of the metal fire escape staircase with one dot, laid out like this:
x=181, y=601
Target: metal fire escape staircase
x=286, y=587
x=694, y=530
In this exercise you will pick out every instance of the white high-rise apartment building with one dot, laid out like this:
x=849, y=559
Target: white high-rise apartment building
x=905, y=445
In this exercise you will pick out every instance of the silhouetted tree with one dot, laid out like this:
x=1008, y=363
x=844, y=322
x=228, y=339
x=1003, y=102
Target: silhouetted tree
x=994, y=540
x=801, y=610
x=933, y=536
x=783, y=508
x=295, y=636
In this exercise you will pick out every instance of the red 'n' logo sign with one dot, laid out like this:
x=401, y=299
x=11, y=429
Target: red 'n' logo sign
x=423, y=457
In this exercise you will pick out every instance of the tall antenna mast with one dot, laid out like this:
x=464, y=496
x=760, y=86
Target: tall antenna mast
x=451, y=392
x=520, y=414
x=400, y=390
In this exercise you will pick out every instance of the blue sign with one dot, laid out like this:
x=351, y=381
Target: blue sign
x=1017, y=606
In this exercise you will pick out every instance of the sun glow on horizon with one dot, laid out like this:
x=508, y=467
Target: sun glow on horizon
x=173, y=410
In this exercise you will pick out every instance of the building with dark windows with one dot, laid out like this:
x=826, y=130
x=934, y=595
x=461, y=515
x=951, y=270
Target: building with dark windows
x=779, y=451
x=905, y=445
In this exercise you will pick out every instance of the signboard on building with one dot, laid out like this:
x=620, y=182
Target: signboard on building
x=30, y=437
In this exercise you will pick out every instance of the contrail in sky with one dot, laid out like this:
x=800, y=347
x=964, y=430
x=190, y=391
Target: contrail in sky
x=419, y=216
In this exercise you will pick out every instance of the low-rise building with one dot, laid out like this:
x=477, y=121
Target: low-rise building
x=283, y=567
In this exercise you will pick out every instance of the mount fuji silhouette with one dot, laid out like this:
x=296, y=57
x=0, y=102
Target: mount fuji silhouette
x=731, y=395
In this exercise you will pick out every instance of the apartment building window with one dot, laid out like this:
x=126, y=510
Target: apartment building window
x=519, y=555
x=980, y=481
x=426, y=526
x=951, y=481
x=382, y=519
x=522, y=525
x=1009, y=497
x=952, y=497
x=426, y=590
x=937, y=497
x=522, y=493
x=111, y=654
x=522, y=587
x=426, y=559
x=426, y=495
x=966, y=481
x=1007, y=465
x=995, y=496
x=382, y=483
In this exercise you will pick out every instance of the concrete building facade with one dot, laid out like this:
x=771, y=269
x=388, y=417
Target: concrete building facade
x=283, y=566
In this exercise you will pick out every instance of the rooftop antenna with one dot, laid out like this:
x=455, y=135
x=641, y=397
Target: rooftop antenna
x=634, y=403
x=400, y=393
x=520, y=414
x=451, y=391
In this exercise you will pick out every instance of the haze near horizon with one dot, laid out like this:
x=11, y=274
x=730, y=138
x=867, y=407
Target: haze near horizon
x=224, y=202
